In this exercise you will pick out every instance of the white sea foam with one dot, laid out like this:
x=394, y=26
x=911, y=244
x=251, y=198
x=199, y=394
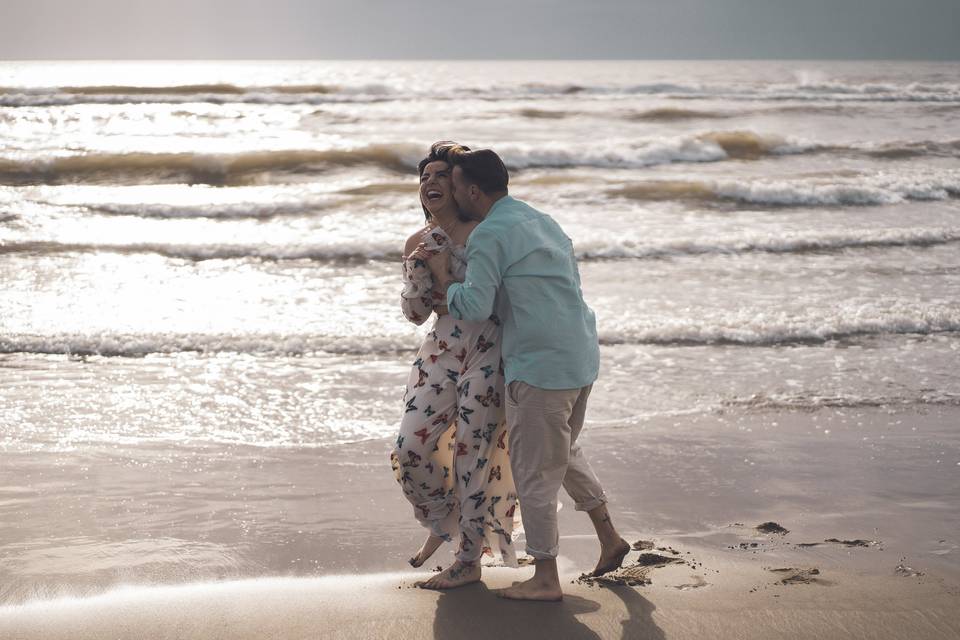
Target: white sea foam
x=138, y=345
x=792, y=242
x=327, y=252
x=709, y=146
x=260, y=210
x=749, y=326
x=589, y=248
x=402, y=157
x=343, y=92
x=809, y=401
x=756, y=327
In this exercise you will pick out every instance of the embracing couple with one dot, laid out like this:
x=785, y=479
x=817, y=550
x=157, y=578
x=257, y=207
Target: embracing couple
x=509, y=363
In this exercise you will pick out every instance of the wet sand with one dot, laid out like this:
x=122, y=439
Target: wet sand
x=840, y=523
x=385, y=605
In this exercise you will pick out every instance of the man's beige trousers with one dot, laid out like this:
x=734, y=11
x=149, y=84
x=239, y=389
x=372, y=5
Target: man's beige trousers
x=544, y=455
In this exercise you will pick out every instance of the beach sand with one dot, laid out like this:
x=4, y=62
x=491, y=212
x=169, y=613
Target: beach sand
x=739, y=600
x=871, y=548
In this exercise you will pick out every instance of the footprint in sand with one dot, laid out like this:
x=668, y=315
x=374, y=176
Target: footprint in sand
x=635, y=575
x=794, y=575
x=698, y=582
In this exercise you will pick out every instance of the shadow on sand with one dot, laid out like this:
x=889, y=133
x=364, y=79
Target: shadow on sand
x=476, y=612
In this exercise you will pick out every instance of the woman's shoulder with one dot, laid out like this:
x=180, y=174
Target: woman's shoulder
x=415, y=238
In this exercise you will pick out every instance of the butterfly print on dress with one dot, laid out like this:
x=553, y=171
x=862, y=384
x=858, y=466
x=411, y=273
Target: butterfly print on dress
x=491, y=397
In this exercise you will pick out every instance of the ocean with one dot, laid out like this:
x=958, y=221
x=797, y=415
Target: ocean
x=200, y=276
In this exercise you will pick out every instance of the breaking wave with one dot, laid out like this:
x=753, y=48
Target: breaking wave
x=781, y=243
x=765, y=329
x=317, y=93
x=841, y=190
x=812, y=402
x=618, y=249
x=758, y=332
x=672, y=114
x=199, y=252
x=201, y=168
x=237, y=168
x=215, y=93
x=234, y=168
x=235, y=211
x=136, y=345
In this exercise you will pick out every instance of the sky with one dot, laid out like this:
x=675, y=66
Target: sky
x=479, y=29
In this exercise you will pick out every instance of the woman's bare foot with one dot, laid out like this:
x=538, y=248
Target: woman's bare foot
x=611, y=557
x=430, y=545
x=456, y=575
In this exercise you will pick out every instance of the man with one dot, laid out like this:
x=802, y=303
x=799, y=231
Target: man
x=521, y=267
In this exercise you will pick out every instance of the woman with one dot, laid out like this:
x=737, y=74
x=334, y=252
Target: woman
x=457, y=478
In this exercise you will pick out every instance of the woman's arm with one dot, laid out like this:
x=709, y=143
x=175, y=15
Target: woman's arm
x=416, y=298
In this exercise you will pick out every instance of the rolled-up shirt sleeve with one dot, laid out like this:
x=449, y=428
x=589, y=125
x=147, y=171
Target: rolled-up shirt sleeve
x=473, y=299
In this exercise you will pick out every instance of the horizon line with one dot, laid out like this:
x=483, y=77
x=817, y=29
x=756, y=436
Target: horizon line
x=415, y=59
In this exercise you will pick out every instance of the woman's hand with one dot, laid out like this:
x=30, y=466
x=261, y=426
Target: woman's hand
x=439, y=263
x=421, y=253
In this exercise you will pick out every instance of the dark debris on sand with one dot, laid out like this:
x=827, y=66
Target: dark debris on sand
x=852, y=543
x=746, y=545
x=642, y=545
x=657, y=560
x=905, y=571
x=846, y=543
x=772, y=527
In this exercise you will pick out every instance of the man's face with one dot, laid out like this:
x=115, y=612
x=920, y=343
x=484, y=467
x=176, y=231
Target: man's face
x=461, y=195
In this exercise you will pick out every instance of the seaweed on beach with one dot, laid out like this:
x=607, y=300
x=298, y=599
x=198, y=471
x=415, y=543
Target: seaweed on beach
x=852, y=543
x=772, y=527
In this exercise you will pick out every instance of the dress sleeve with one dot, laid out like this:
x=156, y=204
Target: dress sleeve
x=416, y=298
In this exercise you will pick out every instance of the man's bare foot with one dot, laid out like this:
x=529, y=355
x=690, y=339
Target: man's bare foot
x=533, y=589
x=430, y=545
x=611, y=557
x=456, y=575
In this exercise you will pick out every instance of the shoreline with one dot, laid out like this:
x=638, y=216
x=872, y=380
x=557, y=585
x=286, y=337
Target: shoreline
x=379, y=605
x=694, y=487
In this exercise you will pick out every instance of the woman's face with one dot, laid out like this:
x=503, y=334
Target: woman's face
x=436, y=187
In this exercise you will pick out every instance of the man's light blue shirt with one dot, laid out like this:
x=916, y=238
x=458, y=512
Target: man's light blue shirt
x=521, y=266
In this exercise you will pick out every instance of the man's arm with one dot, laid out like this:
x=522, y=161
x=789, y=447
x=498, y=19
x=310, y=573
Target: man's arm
x=473, y=299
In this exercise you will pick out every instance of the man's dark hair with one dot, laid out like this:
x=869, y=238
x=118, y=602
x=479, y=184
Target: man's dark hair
x=439, y=151
x=482, y=167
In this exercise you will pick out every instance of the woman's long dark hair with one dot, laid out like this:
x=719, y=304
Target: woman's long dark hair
x=439, y=151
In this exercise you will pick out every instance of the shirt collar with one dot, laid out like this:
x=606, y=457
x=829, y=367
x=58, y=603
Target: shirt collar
x=496, y=205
